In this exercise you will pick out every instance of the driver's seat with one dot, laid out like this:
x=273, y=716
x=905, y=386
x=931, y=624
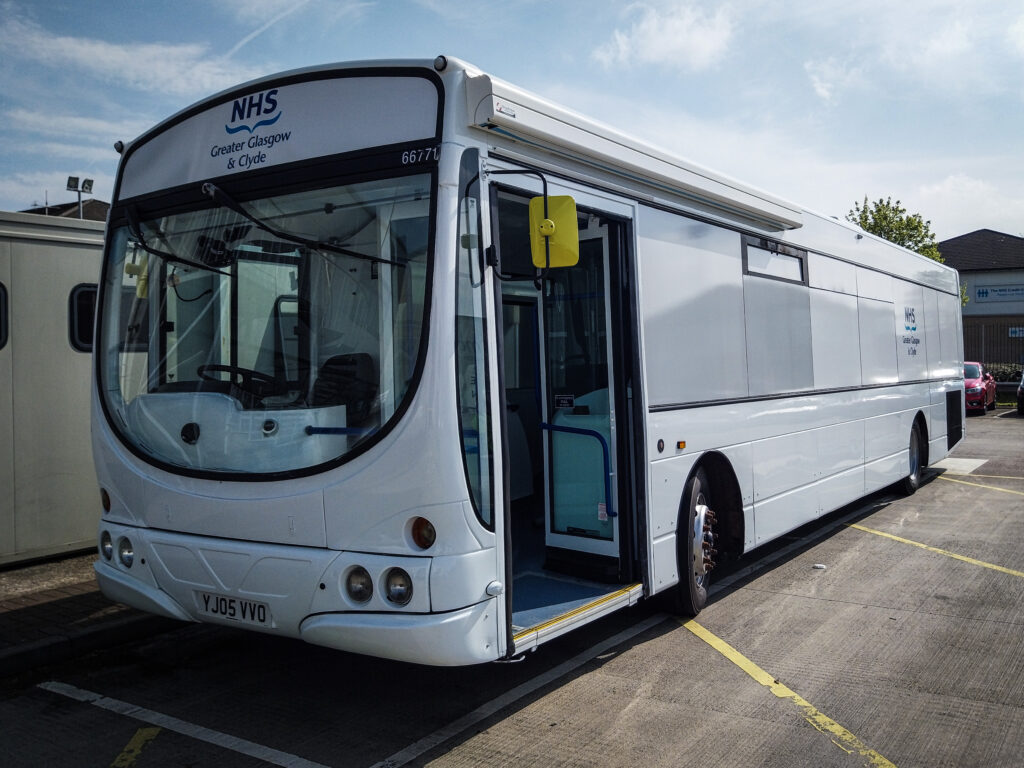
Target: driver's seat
x=349, y=380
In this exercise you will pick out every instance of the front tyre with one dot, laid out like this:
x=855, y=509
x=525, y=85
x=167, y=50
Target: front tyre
x=913, y=479
x=695, y=551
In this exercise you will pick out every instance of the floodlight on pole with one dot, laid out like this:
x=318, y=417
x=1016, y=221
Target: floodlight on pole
x=73, y=186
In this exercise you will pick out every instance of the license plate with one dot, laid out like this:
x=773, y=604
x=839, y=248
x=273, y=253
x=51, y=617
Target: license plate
x=233, y=609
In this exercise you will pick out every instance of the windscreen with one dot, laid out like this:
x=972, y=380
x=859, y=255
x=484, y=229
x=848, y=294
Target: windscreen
x=275, y=337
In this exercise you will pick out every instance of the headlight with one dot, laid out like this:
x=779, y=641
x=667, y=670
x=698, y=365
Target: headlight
x=974, y=390
x=106, y=545
x=125, y=553
x=359, y=585
x=398, y=586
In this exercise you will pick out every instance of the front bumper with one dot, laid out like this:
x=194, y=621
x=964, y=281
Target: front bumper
x=301, y=589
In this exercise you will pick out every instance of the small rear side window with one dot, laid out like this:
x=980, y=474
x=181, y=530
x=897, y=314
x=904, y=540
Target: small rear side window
x=3, y=316
x=81, y=316
x=776, y=261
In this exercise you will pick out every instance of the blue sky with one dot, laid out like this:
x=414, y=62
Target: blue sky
x=821, y=103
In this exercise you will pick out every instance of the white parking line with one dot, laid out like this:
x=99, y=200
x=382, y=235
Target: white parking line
x=414, y=750
x=218, y=739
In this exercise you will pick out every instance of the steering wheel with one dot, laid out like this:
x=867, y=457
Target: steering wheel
x=253, y=382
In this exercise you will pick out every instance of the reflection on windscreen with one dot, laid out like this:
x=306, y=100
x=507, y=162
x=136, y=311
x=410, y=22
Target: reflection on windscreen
x=226, y=348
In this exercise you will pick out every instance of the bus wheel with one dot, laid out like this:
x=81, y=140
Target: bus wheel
x=913, y=479
x=696, y=551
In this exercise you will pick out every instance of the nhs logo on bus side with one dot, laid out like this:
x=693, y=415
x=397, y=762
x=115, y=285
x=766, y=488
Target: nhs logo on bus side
x=255, y=106
x=909, y=320
x=910, y=339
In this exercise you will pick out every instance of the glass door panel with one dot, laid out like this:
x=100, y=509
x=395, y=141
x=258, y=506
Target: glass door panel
x=580, y=397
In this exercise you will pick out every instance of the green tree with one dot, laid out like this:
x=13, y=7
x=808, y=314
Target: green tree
x=891, y=221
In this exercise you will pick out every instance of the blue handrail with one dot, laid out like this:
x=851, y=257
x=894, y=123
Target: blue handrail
x=607, y=458
x=340, y=430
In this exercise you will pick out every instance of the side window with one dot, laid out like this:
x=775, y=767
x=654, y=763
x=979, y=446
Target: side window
x=472, y=383
x=81, y=316
x=769, y=259
x=3, y=316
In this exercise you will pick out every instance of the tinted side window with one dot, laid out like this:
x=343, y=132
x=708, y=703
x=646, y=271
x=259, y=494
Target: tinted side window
x=81, y=316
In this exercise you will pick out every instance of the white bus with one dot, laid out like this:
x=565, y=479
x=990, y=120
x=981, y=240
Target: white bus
x=337, y=399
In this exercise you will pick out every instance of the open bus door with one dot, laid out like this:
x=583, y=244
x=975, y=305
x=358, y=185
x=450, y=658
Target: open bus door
x=566, y=363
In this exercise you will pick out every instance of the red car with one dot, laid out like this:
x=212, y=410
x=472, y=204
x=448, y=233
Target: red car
x=979, y=388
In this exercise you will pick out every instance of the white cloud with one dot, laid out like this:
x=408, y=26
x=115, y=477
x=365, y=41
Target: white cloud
x=256, y=10
x=90, y=128
x=82, y=153
x=267, y=13
x=282, y=14
x=677, y=35
x=829, y=76
x=958, y=51
x=1015, y=36
x=173, y=68
x=791, y=165
x=963, y=204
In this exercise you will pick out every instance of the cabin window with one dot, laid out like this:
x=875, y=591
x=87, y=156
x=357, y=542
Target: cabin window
x=82, y=316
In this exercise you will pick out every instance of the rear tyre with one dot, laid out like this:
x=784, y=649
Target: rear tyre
x=695, y=548
x=913, y=479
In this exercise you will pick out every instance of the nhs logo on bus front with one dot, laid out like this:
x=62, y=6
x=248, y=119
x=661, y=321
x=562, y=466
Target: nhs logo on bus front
x=249, y=114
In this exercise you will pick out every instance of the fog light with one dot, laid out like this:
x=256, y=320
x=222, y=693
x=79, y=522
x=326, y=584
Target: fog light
x=423, y=533
x=359, y=585
x=398, y=586
x=125, y=553
x=106, y=545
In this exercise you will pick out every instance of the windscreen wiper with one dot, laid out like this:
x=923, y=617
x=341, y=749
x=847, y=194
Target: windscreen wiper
x=220, y=197
x=136, y=231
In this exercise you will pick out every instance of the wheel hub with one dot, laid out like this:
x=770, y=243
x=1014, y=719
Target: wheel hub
x=703, y=542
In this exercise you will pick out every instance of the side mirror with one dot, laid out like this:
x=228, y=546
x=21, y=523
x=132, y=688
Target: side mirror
x=555, y=238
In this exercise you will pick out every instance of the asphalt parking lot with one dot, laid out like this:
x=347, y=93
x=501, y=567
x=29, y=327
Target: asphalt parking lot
x=889, y=633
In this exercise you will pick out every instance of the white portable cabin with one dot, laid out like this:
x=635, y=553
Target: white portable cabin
x=48, y=272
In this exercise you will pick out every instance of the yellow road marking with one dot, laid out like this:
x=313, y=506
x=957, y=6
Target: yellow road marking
x=945, y=552
x=990, y=477
x=841, y=737
x=979, y=485
x=134, y=747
